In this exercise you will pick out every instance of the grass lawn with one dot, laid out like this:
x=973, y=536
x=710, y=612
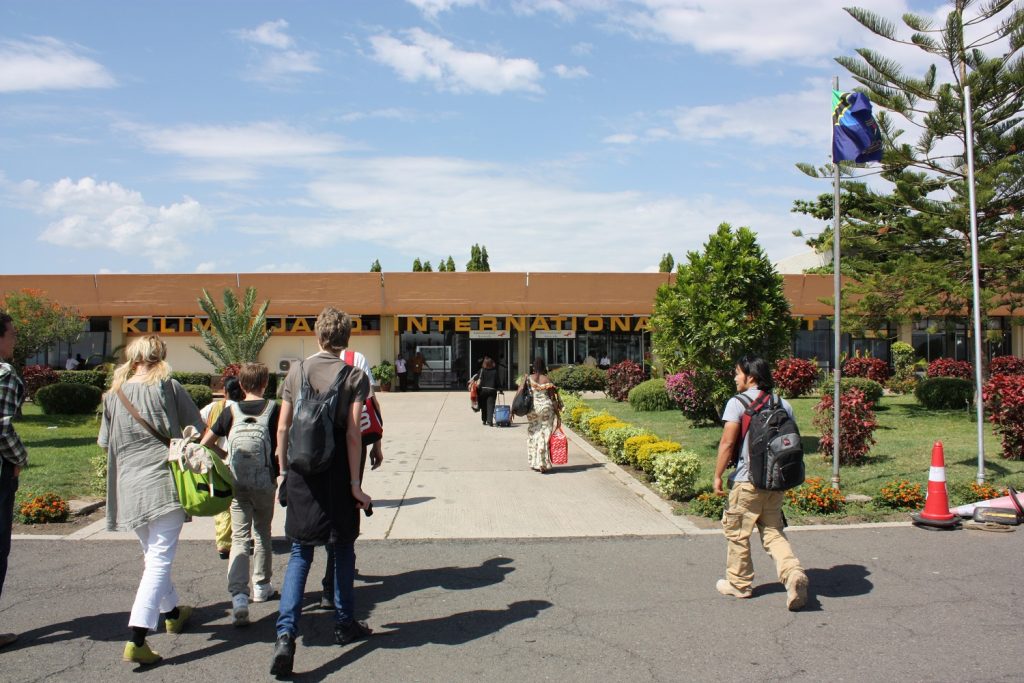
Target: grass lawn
x=59, y=450
x=905, y=434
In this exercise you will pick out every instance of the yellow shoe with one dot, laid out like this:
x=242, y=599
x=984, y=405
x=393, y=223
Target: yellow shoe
x=140, y=654
x=178, y=625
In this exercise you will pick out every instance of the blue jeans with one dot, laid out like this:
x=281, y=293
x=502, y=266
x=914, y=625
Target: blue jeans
x=8, y=487
x=295, y=585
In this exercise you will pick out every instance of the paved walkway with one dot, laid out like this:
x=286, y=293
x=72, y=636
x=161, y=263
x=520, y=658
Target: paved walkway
x=447, y=476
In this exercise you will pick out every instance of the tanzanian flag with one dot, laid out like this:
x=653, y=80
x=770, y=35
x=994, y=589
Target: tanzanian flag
x=855, y=135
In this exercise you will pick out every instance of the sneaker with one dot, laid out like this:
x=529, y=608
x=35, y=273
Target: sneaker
x=726, y=588
x=140, y=654
x=284, y=655
x=178, y=625
x=240, y=610
x=7, y=638
x=326, y=601
x=350, y=631
x=796, y=590
x=264, y=592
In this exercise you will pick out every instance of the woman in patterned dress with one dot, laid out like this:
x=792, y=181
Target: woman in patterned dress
x=545, y=416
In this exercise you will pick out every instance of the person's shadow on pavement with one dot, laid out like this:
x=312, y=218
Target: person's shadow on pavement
x=840, y=581
x=377, y=590
x=455, y=629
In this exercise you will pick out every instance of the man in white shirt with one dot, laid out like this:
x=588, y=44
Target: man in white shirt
x=71, y=364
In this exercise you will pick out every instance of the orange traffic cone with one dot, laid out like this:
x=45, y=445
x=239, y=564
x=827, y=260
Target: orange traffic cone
x=936, y=505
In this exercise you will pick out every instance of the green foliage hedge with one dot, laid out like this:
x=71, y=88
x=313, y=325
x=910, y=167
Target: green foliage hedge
x=68, y=399
x=872, y=390
x=198, y=378
x=650, y=396
x=943, y=393
x=201, y=395
x=92, y=377
x=577, y=378
x=676, y=473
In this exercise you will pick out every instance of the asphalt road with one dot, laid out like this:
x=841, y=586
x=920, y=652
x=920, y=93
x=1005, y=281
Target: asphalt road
x=888, y=604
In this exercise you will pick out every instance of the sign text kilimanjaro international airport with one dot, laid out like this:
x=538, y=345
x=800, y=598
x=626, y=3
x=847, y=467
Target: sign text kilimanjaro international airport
x=171, y=325
x=522, y=323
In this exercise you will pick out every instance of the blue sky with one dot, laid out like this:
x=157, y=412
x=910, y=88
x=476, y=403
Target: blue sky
x=565, y=135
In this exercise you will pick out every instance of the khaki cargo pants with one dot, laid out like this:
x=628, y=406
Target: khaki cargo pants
x=749, y=507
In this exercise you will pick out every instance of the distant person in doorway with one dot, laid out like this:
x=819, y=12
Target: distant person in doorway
x=545, y=417
x=487, y=390
x=402, y=371
x=590, y=361
x=605, y=362
x=418, y=363
x=71, y=363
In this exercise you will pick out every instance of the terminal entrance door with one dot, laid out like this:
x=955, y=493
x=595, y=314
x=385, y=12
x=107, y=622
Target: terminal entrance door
x=500, y=351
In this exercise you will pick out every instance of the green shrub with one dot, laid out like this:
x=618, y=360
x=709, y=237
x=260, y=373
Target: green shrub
x=872, y=390
x=603, y=429
x=577, y=378
x=633, y=444
x=578, y=414
x=615, y=440
x=944, y=393
x=201, y=395
x=198, y=378
x=68, y=399
x=650, y=396
x=708, y=505
x=646, y=454
x=93, y=377
x=676, y=473
x=593, y=423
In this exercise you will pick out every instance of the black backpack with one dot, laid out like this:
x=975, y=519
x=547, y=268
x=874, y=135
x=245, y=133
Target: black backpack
x=775, y=453
x=311, y=436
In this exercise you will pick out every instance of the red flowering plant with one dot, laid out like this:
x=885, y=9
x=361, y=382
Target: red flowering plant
x=857, y=425
x=36, y=377
x=1007, y=365
x=1004, y=401
x=693, y=392
x=48, y=507
x=795, y=376
x=874, y=369
x=622, y=377
x=816, y=496
x=948, y=367
x=900, y=494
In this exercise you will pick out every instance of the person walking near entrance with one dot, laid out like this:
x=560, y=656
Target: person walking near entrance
x=487, y=390
x=210, y=413
x=418, y=363
x=544, y=418
x=13, y=455
x=749, y=506
x=402, y=371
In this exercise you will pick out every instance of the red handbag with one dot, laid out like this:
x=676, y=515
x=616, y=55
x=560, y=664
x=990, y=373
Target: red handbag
x=371, y=424
x=558, y=447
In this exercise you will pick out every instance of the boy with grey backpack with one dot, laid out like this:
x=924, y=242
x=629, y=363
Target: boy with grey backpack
x=250, y=427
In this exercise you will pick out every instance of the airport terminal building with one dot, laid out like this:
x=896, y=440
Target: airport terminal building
x=452, y=318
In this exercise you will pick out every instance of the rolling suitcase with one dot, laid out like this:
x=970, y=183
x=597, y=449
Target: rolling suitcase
x=502, y=412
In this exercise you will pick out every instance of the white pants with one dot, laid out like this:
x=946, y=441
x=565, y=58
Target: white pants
x=156, y=592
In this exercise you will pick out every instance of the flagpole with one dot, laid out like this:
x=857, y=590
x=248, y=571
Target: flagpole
x=979, y=404
x=836, y=333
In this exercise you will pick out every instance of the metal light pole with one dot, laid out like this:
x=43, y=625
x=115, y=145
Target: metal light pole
x=979, y=404
x=836, y=333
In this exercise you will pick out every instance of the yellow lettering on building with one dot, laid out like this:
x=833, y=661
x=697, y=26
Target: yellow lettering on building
x=620, y=323
x=593, y=324
x=164, y=329
x=130, y=326
x=420, y=324
x=487, y=323
x=300, y=325
x=357, y=324
x=441, y=320
x=539, y=323
x=462, y=323
x=643, y=324
x=516, y=321
x=201, y=324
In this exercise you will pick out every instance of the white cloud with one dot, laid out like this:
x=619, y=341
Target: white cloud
x=530, y=7
x=570, y=72
x=427, y=57
x=48, y=64
x=263, y=142
x=277, y=62
x=206, y=267
x=620, y=139
x=431, y=8
x=99, y=215
x=582, y=49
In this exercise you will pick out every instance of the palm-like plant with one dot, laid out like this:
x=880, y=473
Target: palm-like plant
x=236, y=333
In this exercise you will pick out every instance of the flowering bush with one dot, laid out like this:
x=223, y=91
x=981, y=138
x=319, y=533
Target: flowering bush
x=1007, y=365
x=1004, y=400
x=622, y=377
x=647, y=452
x=708, y=505
x=48, y=507
x=874, y=369
x=36, y=377
x=947, y=367
x=856, y=426
x=986, y=491
x=795, y=376
x=576, y=416
x=593, y=422
x=900, y=494
x=693, y=391
x=603, y=429
x=615, y=440
x=816, y=496
x=675, y=473
x=633, y=444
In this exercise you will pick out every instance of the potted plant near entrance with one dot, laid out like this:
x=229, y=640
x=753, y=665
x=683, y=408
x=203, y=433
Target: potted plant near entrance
x=383, y=374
